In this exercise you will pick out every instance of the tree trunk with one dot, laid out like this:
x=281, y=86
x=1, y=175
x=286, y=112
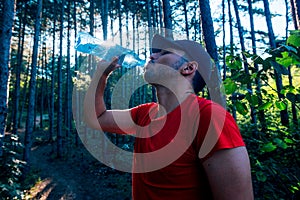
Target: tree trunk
x=211, y=47
x=59, y=84
x=104, y=17
x=261, y=114
x=52, y=101
x=24, y=95
x=160, y=16
x=208, y=30
x=42, y=87
x=233, y=112
x=16, y=102
x=294, y=110
x=278, y=78
x=186, y=19
x=5, y=36
x=242, y=42
x=32, y=89
x=75, y=69
x=167, y=18
x=224, y=41
x=120, y=20
x=294, y=15
x=68, y=80
x=149, y=21
x=297, y=5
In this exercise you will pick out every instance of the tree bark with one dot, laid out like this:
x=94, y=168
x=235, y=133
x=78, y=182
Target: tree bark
x=32, y=89
x=278, y=78
x=233, y=112
x=104, y=17
x=186, y=19
x=52, y=101
x=294, y=15
x=242, y=42
x=208, y=30
x=59, y=84
x=211, y=47
x=261, y=114
x=5, y=38
x=68, y=103
x=167, y=18
x=16, y=100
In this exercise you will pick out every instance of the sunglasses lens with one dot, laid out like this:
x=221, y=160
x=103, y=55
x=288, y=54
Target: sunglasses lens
x=154, y=50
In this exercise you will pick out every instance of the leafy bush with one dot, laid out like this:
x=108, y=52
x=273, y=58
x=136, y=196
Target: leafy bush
x=275, y=161
x=10, y=169
x=273, y=143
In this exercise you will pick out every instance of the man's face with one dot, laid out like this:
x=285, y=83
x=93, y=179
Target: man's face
x=163, y=65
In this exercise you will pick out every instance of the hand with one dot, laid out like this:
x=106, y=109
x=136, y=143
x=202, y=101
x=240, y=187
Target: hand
x=108, y=67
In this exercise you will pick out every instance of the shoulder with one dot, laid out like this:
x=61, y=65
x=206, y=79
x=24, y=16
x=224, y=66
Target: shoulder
x=143, y=107
x=211, y=110
x=142, y=110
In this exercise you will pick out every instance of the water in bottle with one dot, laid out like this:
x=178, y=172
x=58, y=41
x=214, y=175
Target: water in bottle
x=107, y=50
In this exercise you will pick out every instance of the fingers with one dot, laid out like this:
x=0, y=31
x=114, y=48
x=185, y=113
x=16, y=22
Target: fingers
x=115, y=62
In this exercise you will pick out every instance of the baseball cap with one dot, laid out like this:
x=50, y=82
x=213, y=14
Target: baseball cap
x=193, y=52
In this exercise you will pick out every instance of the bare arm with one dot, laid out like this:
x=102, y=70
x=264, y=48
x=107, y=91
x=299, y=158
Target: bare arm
x=95, y=113
x=229, y=175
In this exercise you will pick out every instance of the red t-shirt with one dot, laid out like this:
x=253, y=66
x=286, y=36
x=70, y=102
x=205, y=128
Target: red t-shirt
x=182, y=140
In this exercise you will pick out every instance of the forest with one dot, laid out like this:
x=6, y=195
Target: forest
x=255, y=45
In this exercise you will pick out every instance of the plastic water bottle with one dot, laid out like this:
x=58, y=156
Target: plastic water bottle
x=107, y=50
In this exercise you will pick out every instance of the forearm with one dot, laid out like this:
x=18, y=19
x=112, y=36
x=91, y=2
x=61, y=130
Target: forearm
x=100, y=106
x=94, y=105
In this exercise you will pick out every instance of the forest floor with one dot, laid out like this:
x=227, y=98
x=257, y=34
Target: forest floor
x=78, y=175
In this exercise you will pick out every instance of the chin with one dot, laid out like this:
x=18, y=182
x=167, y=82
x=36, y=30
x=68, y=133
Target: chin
x=148, y=76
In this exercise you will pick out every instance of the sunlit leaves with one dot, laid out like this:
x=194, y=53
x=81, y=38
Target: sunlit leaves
x=234, y=62
x=252, y=99
x=269, y=147
x=265, y=106
x=294, y=38
x=288, y=141
x=280, y=143
x=230, y=86
x=241, y=108
x=288, y=89
x=287, y=59
x=272, y=141
x=280, y=105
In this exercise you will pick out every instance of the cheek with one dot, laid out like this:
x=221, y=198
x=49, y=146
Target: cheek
x=166, y=60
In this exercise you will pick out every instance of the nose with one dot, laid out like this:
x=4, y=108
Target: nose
x=154, y=56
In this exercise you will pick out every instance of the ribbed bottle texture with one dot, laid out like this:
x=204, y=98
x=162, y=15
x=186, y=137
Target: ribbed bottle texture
x=107, y=50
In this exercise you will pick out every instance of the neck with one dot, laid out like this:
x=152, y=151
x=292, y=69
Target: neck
x=168, y=100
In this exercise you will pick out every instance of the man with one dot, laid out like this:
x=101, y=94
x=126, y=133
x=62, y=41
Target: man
x=186, y=147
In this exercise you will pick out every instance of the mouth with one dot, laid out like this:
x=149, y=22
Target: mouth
x=151, y=62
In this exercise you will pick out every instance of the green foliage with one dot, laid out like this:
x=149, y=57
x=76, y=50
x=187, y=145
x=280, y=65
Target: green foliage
x=230, y=86
x=273, y=150
x=81, y=81
x=10, y=169
x=241, y=108
x=275, y=160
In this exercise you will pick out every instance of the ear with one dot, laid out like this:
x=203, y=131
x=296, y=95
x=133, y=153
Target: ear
x=189, y=68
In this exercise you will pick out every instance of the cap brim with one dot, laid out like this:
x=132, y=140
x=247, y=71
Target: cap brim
x=194, y=52
x=161, y=43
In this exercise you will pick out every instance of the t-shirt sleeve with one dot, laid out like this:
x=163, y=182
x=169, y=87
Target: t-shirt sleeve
x=140, y=112
x=217, y=130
